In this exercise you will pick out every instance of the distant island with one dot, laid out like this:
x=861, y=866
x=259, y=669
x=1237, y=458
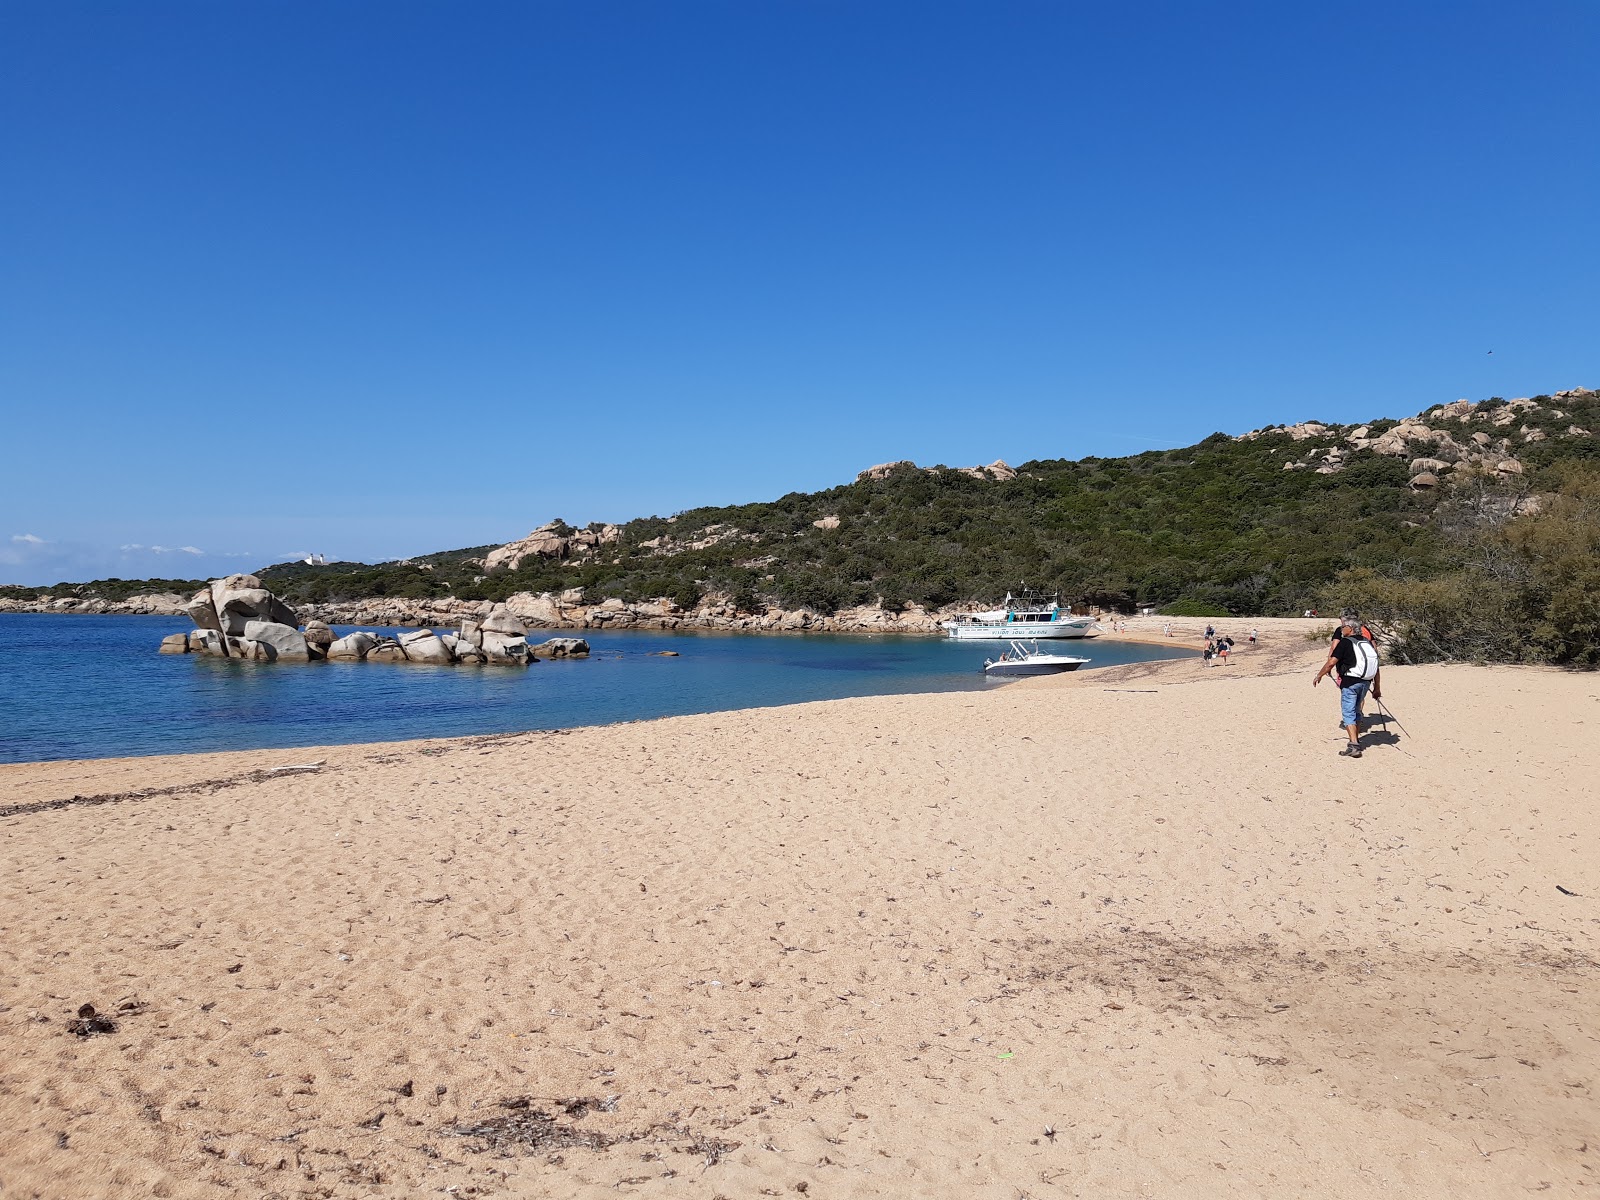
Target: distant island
x=1471, y=527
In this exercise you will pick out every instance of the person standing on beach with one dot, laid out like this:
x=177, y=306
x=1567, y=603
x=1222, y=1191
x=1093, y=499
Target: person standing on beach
x=1377, y=680
x=1355, y=660
x=1252, y=637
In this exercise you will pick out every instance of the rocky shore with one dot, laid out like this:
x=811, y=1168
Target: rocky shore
x=564, y=610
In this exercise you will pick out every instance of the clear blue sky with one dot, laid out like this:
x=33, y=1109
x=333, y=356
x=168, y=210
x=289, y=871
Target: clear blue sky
x=388, y=277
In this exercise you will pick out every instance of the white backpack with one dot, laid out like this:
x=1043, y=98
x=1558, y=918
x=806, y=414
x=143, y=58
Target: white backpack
x=1366, y=664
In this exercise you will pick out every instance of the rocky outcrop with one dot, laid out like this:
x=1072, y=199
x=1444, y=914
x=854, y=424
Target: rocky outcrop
x=561, y=648
x=884, y=470
x=424, y=646
x=281, y=642
x=240, y=599
x=386, y=650
x=1452, y=445
x=553, y=540
x=997, y=471
x=505, y=649
x=352, y=647
x=223, y=629
x=143, y=604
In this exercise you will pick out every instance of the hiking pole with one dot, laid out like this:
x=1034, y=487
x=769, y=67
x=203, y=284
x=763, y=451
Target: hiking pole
x=1384, y=708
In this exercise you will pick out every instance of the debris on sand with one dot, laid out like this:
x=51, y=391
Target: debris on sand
x=534, y=1130
x=88, y=1023
x=526, y=1129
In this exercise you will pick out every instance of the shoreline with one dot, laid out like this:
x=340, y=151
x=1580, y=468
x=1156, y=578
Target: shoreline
x=896, y=946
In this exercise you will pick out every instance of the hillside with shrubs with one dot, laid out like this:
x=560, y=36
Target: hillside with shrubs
x=1471, y=530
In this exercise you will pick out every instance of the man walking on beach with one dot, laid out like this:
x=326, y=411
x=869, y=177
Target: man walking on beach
x=1355, y=660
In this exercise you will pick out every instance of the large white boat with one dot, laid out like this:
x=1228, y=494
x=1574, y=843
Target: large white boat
x=1028, y=616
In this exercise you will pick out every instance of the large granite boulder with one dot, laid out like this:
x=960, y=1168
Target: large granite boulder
x=386, y=650
x=561, y=648
x=209, y=642
x=502, y=620
x=352, y=646
x=424, y=646
x=202, y=612
x=462, y=650
x=175, y=643
x=285, y=642
x=505, y=649
x=248, y=649
x=240, y=599
x=318, y=634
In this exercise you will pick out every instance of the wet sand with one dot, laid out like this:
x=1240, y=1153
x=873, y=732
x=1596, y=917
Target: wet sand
x=1134, y=932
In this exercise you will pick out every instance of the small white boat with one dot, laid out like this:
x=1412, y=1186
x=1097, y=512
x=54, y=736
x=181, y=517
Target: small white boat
x=1021, y=660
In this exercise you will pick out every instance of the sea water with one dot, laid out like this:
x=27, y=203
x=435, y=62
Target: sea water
x=94, y=686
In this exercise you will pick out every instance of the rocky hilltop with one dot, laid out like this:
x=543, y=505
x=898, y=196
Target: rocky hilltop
x=1470, y=439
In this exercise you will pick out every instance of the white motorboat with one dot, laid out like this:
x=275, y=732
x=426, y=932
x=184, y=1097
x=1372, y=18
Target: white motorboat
x=1028, y=616
x=1021, y=660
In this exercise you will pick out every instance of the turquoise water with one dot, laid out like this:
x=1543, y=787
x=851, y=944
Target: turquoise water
x=94, y=687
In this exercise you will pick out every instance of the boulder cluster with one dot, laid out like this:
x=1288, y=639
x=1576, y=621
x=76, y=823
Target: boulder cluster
x=238, y=618
x=552, y=540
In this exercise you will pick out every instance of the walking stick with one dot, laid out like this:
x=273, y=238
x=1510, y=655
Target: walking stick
x=1390, y=716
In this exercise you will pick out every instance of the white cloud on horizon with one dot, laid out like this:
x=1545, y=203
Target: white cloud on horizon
x=195, y=550
x=33, y=561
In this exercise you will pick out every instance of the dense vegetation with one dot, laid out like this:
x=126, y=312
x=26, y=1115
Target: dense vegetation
x=103, y=589
x=1219, y=527
x=1515, y=588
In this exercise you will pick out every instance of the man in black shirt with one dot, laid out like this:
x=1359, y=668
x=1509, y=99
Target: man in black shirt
x=1356, y=661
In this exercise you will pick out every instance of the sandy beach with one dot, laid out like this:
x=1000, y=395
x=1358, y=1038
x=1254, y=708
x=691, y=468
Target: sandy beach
x=1135, y=932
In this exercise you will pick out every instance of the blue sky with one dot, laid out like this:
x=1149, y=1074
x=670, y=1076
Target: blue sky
x=381, y=278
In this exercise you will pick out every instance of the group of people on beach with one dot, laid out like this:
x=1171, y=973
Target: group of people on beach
x=1220, y=645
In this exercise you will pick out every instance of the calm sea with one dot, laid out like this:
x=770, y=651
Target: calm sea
x=94, y=687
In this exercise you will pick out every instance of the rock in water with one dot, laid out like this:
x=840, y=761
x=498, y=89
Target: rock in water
x=505, y=649
x=202, y=612
x=175, y=643
x=239, y=599
x=561, y=648
x=352, y=646
x=424, y=646
x=460, y=650
x=502, y=620
x=209, y=642
x=386, y=650
x=285, y=642
x=318, y=638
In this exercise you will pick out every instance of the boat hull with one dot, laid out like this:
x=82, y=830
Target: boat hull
x=1033, y=668
x=1004, y=631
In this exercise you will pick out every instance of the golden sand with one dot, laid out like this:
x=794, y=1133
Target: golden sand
x=1137, y=932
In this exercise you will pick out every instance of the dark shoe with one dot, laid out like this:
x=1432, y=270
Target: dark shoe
x=1351, y=751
